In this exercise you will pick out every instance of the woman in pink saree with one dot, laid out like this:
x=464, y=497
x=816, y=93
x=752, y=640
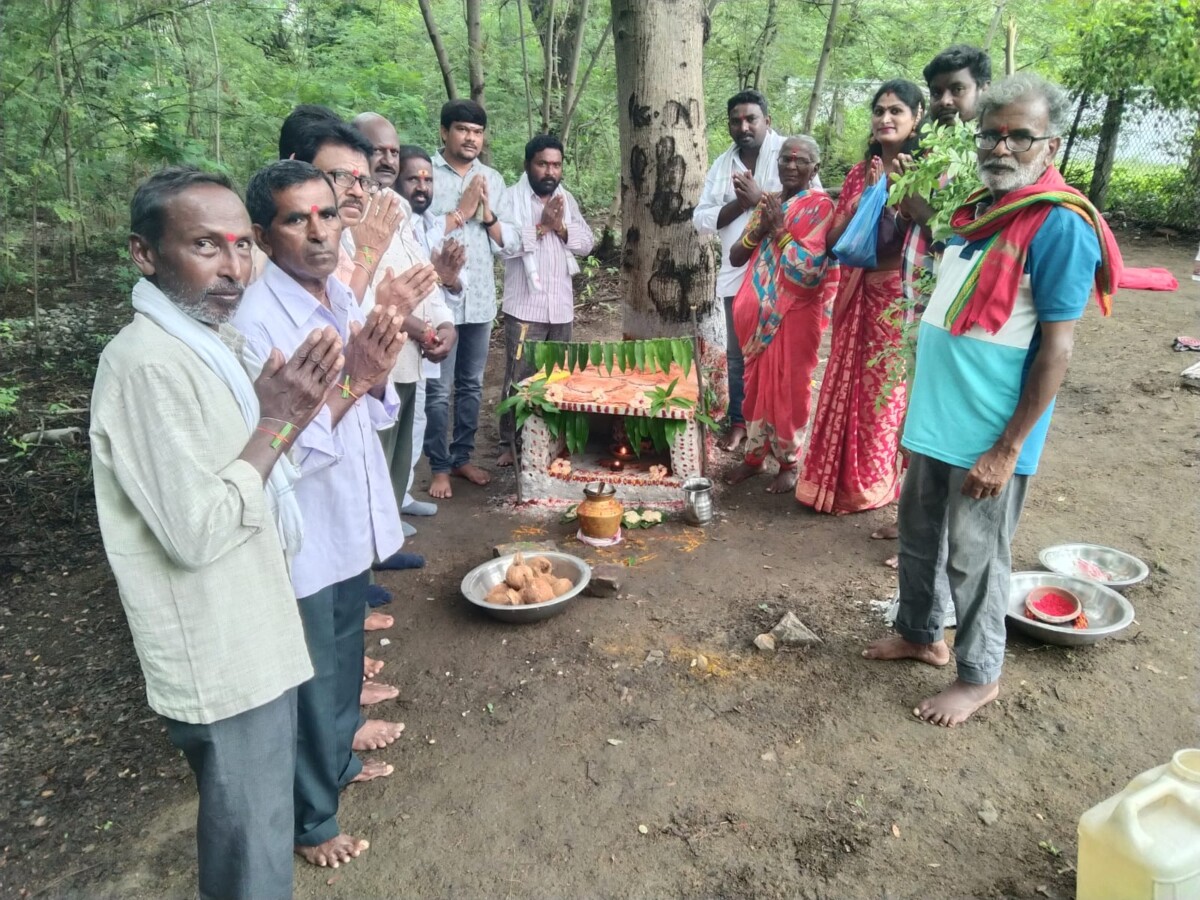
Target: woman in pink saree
x=778, y=312
x=853, y=461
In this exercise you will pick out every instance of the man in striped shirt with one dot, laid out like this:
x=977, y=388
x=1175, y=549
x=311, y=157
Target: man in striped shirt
x=539, y=301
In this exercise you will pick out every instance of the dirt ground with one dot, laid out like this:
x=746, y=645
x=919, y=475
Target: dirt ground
x=535, y=754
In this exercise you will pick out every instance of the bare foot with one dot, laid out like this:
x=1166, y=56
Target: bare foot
x=372, y=769
x=741, y=472
x=895, y=647
x=783, y=483
x=440, y=486
x=333, y=852
x=892, y=562
x=957, y=703
x=472, y=473
x=378, y=621
x=375, y=734
x=505, y=459
x=886, y=533
x=374, y=692
x=732, y=440
x=371, y=667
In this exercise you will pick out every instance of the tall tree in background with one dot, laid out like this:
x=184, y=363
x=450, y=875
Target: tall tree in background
x=666, y=271
x=1139, y=47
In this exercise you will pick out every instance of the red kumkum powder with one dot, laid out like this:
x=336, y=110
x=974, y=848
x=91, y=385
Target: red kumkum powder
x=1055, y=605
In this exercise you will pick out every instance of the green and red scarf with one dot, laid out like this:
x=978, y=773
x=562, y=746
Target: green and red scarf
x=1008, y=229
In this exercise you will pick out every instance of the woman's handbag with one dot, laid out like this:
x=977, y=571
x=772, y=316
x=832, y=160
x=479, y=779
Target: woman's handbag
x=856, y=246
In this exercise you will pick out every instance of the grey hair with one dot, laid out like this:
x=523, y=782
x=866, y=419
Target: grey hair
x=807, y=141
x=1027, y=84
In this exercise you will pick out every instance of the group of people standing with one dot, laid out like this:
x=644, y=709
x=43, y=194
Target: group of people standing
x=254, y=429
x=254, y=432
x=956, y=440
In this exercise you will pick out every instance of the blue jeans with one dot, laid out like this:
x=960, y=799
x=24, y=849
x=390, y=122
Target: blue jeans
x=737, y=366
x=462, y=375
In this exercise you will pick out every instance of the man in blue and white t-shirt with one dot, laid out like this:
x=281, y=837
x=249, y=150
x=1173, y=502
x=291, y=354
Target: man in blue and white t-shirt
x=993, y=349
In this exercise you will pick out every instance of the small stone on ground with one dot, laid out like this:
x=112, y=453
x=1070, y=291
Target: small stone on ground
x=791, y=632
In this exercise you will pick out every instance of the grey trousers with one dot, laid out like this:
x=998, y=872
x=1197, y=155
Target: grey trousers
x=397, y=441
x=328, y=711
x=243, y=767
x=517, y=370
x=978, y=563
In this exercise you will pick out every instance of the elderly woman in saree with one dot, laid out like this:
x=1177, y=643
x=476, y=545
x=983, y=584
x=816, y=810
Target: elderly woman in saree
x=778, y=311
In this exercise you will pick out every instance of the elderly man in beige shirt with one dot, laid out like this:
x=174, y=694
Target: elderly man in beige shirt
x=197, y=515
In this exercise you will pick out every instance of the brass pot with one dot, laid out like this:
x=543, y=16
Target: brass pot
x=600, y=512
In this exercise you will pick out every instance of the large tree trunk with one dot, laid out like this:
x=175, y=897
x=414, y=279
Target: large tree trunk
x=814, y=101
x=1106, y=151
x=439, y=49
x=475, y=51
x=667, y=271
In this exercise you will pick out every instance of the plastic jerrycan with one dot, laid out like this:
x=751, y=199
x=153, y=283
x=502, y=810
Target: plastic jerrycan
x=1144, y=843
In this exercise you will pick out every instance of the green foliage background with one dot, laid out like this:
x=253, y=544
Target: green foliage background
x=147, y=82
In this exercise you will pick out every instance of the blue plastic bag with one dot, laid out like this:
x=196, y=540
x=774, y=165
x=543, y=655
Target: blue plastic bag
x=856, y=246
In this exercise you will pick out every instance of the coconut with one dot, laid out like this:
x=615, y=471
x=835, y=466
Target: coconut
x=562, y=585
x=518, y=574
x=541, y=565
x=498, y=595
x=538, y=590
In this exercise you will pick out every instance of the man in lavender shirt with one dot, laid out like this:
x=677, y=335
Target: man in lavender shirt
x=344, y=491
x=539, y=299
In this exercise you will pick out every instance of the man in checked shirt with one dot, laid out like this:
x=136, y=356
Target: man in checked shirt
x=539, y=302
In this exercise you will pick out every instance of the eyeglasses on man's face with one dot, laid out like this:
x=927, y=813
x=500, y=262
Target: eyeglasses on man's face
x=344, y=179
x=1016, y=143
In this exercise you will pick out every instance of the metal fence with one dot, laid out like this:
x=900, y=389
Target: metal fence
x=1155, y=177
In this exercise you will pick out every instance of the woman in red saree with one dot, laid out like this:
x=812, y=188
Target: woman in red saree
x=778, y=311
x=853, y=461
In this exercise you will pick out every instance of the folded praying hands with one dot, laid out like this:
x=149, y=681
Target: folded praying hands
x=373, y=347
x=294, y=390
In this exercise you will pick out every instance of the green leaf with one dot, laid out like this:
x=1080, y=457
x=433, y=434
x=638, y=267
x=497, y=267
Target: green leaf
x=639, y=355
x=595, y=354
x=662, y=352
x=609, y=353
x=572, y=356
x=688, y=353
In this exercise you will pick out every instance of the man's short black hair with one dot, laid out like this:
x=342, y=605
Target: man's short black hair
x=308, y=128
x=747, y=96
x=541, y=142
x=412, y=151
x=148, y=209
x=463, y=111
x=275, y=177
x=960, y=56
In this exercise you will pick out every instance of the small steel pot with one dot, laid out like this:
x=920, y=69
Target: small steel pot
x=697, y=501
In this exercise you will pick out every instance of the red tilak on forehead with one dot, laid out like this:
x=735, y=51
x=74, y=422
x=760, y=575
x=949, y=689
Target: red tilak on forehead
x=316, y=208
x=232, y=238
x=354, y=172
x=1004, y=129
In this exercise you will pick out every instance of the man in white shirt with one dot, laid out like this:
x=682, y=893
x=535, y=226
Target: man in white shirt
x=734, y=185
x=344, y=492
x=195, y=512
x=414, y=182
x=438, y=332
